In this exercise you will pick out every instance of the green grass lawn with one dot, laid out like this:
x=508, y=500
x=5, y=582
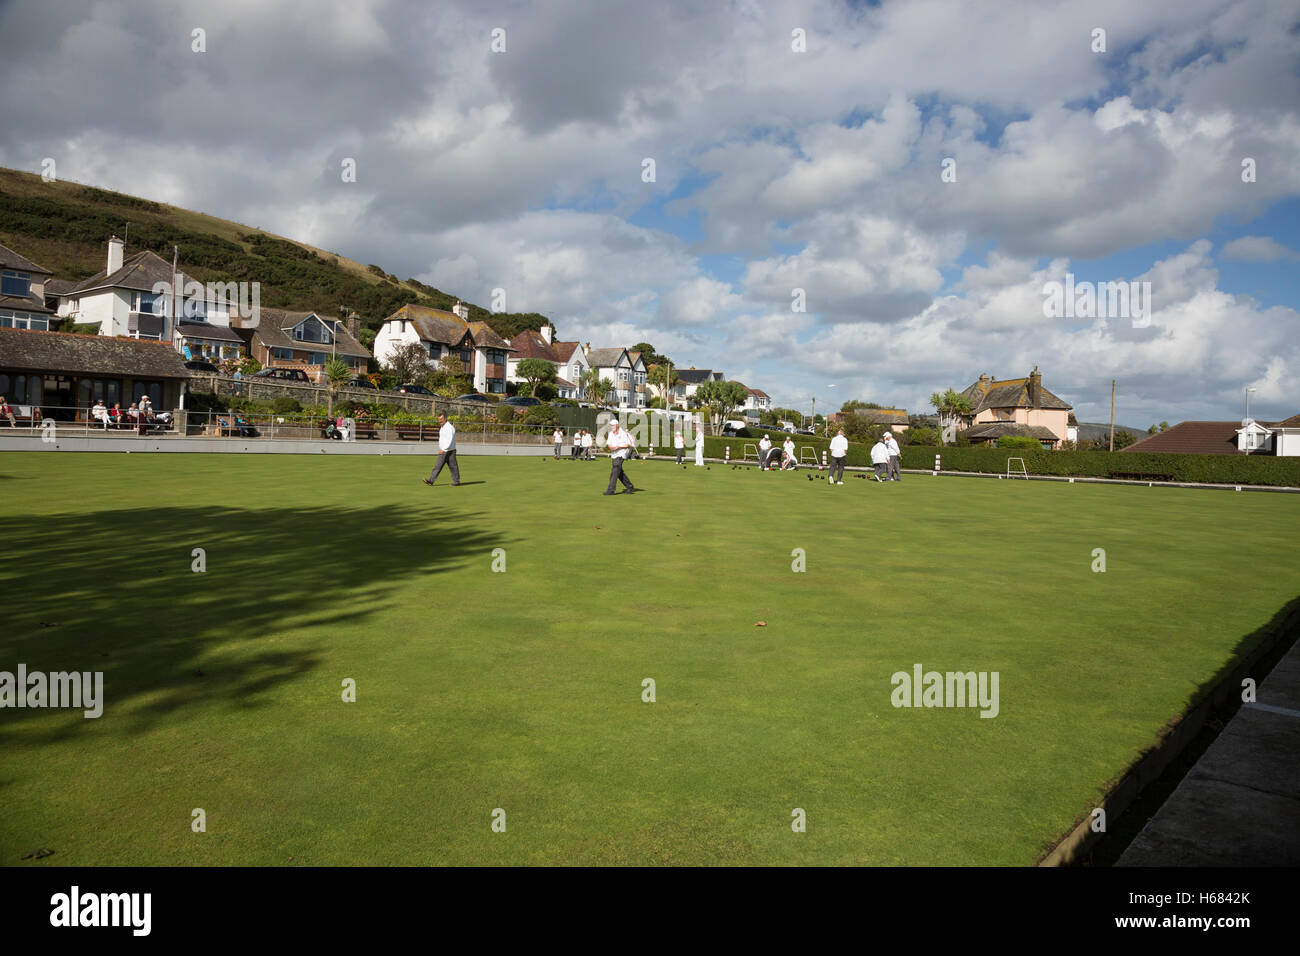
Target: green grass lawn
x=523, y=690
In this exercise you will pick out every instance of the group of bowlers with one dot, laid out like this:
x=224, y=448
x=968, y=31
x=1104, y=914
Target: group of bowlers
x=885, y=454
x=621, y=444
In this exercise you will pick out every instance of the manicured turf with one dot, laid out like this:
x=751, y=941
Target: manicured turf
x=523, y=690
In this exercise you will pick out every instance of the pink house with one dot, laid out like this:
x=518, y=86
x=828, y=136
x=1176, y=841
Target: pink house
x=1016, y=406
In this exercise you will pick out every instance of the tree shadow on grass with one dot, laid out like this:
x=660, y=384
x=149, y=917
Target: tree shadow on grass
x=116, y=591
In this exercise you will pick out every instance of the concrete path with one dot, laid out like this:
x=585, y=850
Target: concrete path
x=1240, y=804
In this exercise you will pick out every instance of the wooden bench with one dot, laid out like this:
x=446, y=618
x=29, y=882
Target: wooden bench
x=416, y=430
x=360, y=430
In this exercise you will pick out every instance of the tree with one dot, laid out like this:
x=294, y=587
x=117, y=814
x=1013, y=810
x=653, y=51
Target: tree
x=450, y=378
x=664, y=377
x=1122, y=440
x=854, y=404
x=721, y=398
x=598, y=389
x=535, y=371
x=950, y=405
x=338, y=373
x=649, y=355
x=408, y=363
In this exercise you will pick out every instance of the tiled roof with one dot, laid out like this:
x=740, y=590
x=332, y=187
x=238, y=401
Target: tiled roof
x=485, y=337
x=993, y=430
x=139, y=272
x=605, y=358
x=99, y=354
x=565, y=350
x=12, y=260
x=275, y=327
x=530, y=344
x=1292, y=422
x=564, y=382
x=1193, y=438
x=1009, y=393
x=694, y=376
x=59, y=286
x=210, y=331
x=25, y=303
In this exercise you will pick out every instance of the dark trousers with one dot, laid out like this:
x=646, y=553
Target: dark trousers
x=616, y=475
x=837, y=469
x=575, y=451
x=893, y=467
x=880, y=467
x=447, y=458
x=557, y=449
x=679, y=456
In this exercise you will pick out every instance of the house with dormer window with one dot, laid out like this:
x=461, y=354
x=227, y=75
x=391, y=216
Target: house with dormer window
x=625, y=370
x=22, y=293
x=302, y=340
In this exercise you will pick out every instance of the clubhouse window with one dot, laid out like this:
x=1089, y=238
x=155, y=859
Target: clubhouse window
x=23, y=320
x=20, y=389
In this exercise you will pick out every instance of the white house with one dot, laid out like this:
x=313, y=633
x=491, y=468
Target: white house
x=482, y=352
x=1286, y=437
x=625, y=370
x=22, y=293
x=121, y=300
x=693, y=378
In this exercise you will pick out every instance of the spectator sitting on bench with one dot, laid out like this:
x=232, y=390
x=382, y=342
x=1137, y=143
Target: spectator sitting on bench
x=7, y=412
x=115, y=413
x=100, y=414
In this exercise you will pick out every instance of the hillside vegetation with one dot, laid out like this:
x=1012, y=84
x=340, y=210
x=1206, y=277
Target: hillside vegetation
x=64, y=226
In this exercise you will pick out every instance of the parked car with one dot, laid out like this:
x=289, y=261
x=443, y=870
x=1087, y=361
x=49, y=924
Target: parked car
x=199, y=366
x=414, y=390
x=289, y=374
x=473, y=397
x=735, y=430
x=362, y=383
x=522, y=401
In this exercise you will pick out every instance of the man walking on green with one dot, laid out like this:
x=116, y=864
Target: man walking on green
x=446, y=452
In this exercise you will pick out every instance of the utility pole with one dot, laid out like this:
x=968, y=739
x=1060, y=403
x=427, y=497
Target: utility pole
x=1112, y=414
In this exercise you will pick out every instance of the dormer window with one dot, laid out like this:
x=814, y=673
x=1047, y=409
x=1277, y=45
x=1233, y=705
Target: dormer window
x=15, y=283
x=149, y=303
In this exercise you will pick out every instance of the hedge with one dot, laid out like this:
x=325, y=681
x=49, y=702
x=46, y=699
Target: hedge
x=1209, y=469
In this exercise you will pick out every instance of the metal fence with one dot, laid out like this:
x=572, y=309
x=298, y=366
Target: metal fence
x=305, y=393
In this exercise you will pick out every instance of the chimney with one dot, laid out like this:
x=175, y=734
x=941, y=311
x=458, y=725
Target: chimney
x=1035, y=388
x=461, y=309
x=354, y=326
x=548, y=333
x=586, y=349
x=115, y=246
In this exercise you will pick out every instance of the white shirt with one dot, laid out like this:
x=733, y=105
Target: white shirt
x=765, y=444
x=679, y=440
x=839, y=446
x=892, y=444
x=587, y=440
x=619, y=442
x=879, y=454
x=447, y=437
x=559, y=437
x=788, y=447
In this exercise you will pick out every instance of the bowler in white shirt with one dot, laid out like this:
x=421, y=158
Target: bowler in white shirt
x=620, y=447
x=446, y=452
x=839, y=449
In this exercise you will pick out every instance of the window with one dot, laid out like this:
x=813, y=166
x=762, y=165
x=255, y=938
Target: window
x=496, y=385
x=149, y=302
x=283, y=354
x=496, y=356
x=23, y=320
x=15, y=283
x=312, y=330
x=316, y=358
x=467, y=356
x=435, y=350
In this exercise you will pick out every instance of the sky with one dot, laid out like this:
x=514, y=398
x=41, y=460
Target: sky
x=926, y=173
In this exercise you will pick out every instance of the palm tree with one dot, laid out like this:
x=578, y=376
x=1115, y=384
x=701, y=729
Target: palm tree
x=951, y=407
x=665, y=377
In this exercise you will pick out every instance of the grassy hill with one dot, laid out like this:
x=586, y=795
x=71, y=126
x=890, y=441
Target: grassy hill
x=64, y=226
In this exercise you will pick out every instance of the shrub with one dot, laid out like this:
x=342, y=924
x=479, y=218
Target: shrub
x=923, y=437
x=505, y=414
x=286, y=405
x=1019, y=441
x=541, y=415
